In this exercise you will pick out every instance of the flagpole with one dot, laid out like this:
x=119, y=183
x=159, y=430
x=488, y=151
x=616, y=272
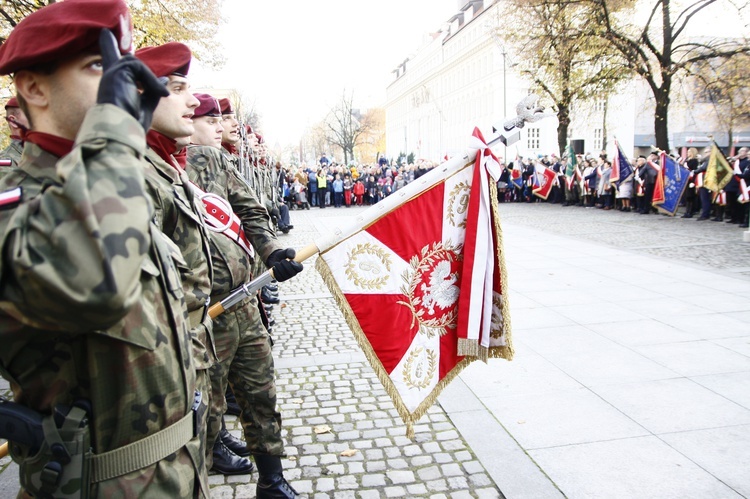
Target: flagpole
x=510, y=133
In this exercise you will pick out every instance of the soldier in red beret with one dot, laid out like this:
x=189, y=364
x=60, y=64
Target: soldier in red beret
x=207, y=122
x=18, y=125
x=180, y=214
x=243, y=344
x=95, y=341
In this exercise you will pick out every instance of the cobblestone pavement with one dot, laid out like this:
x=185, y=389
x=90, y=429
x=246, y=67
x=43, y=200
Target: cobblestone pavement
x=323, y=380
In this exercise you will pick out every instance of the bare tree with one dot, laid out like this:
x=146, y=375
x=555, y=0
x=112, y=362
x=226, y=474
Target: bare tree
x=659, y=50
x=347, y=126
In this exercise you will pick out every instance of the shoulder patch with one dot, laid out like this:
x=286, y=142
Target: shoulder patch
x=10, y=198
x=6, y=162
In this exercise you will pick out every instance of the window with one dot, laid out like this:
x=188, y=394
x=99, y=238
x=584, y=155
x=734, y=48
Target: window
x=533, y=139
x=597, y=139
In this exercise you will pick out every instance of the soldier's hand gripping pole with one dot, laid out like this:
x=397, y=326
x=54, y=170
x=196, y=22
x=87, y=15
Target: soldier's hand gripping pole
x=252, y=287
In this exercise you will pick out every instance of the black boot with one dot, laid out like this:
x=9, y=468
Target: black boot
x=233, y=408
x=267, y=297
x=271, y=481
x=227, y=462
x=233, y=443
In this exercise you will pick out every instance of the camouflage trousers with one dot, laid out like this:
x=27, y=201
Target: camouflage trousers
x=246, y=363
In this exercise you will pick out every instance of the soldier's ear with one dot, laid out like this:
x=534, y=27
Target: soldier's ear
x=34, y=88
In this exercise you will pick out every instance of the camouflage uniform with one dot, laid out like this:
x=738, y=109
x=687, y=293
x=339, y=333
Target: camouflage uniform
x=178, y=215
x=12, y=153
x=241, y=339
x=91, y=303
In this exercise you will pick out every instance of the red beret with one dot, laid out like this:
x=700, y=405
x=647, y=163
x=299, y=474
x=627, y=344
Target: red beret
x=168, y=59
x=12, y=102
x=62, y=30
x=209, y=106
x=226, y=106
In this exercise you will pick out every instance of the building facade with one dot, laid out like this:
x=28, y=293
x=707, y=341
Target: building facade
x=462, y=77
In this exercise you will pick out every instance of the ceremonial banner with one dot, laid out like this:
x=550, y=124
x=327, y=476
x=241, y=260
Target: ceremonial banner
x=544, y=180
x=675, y=180
x=571, y=169
x=515, y=177
x=423, y=286
x=718, y=172
x=659, y=186
x=621, y=167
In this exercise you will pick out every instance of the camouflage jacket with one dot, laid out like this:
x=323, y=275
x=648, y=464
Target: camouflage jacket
x=12, y=153
x=90, y=301
x=178, y=214
x=209, y=170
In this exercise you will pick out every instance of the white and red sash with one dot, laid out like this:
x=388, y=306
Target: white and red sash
x=220, y=217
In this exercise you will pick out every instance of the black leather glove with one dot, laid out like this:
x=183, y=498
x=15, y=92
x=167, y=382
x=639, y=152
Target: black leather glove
x=127, y=82
x=283, y=265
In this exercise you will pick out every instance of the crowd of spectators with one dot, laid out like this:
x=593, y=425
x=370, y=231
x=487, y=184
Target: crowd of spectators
x=338, y=185
x=591, y=185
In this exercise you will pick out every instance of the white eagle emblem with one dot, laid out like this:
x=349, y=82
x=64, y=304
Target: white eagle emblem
x=442, y=290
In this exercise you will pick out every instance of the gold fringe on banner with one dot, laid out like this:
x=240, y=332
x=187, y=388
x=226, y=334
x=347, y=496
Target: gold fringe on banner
x=505, y=351
x=409, y=418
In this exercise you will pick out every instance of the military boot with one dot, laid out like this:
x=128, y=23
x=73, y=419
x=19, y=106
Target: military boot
x=271, y=481
x=227, y=462
x=233, y=443
x=233, y=408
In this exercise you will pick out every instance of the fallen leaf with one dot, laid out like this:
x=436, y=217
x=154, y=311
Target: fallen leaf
x=283, y=305
x=349, y=452
x=322, y=429
x=292, y=458
x=295, y=401
x=521, y=422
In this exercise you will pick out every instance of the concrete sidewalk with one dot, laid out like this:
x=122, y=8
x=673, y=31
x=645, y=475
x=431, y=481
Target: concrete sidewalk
x=631, y=376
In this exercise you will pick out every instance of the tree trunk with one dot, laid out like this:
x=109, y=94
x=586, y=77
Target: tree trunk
x=563, y=116
x=661, y=115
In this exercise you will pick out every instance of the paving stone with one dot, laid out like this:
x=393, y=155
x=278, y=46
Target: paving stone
x=427, y=474
x=437, y=485
x=397, y=464
x=452, y=469
x=347, y=482
x=400, y=476
x=368, y=494
x=395, y=492
x=457, y=482
x=421, y=461
x=473, y=467
x=325, y=484
x=416, y=489
x=373, y=480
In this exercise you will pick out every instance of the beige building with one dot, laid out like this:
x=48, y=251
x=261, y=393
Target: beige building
x=463, y=77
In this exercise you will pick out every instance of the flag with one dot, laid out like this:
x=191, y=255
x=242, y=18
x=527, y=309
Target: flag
x=718, y=172
x=544, y=180
x=675, y=179
x=425, y=302
x=572, y=162
x=621, y=167
x=516, y=177
x=659, y=186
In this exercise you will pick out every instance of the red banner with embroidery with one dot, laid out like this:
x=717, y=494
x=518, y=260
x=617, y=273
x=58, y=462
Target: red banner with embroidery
x=425, y=302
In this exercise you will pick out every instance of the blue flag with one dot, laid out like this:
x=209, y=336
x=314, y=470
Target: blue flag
x=621, y=167
x=676, y=179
